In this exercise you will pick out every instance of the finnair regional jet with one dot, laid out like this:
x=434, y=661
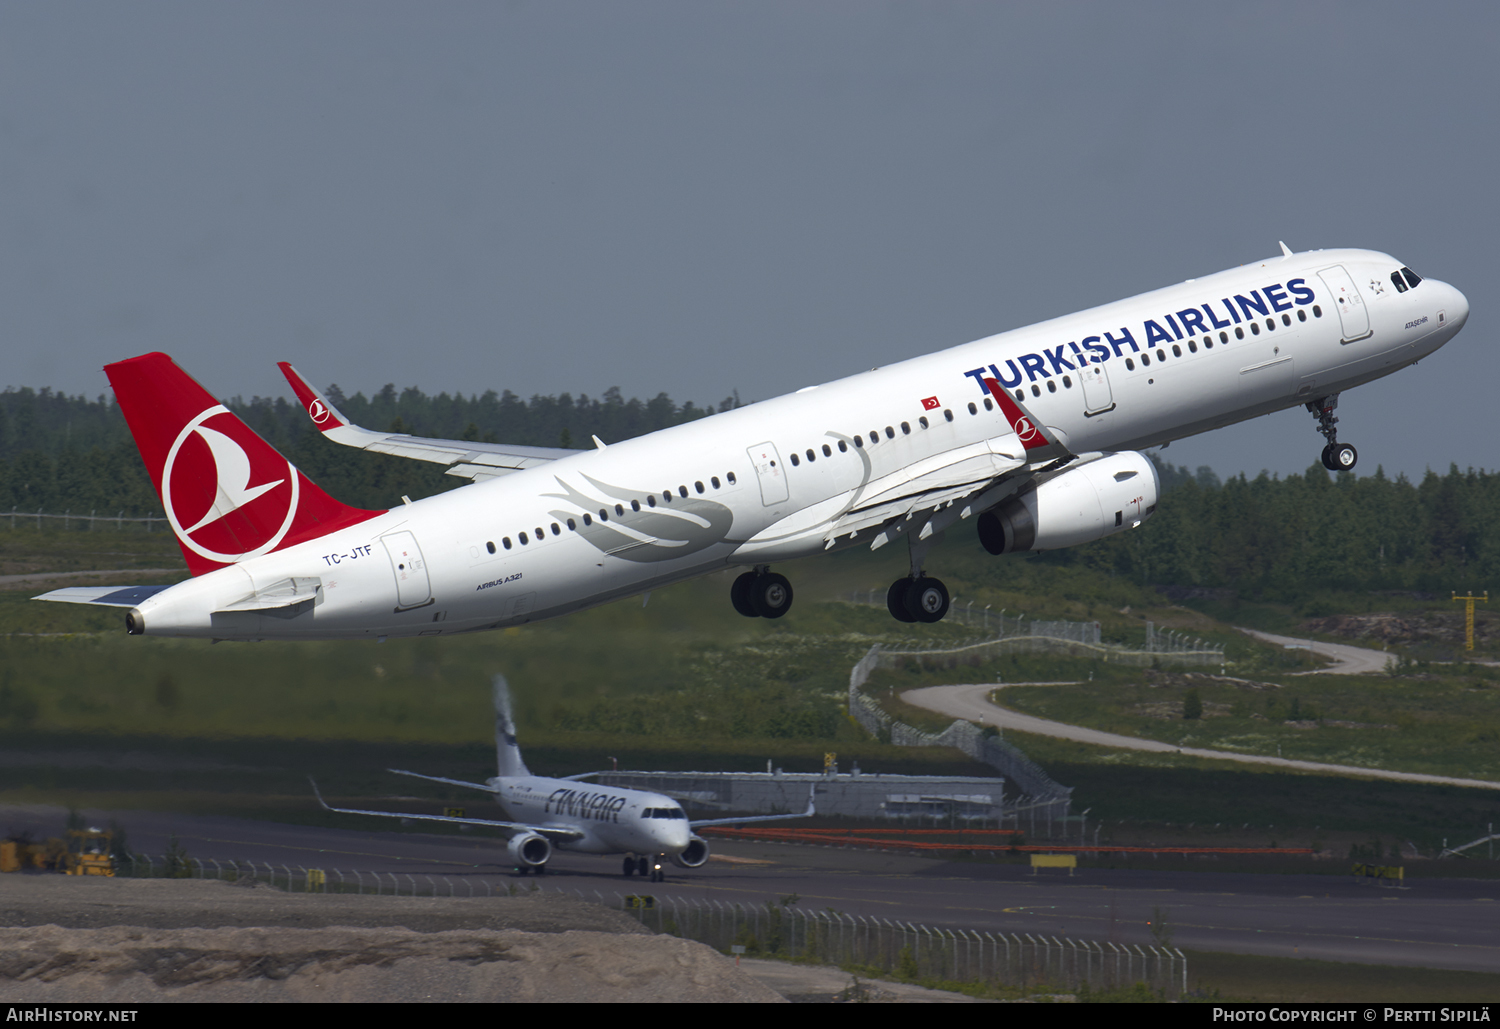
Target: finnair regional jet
x=648, y=828
x=1035, y=434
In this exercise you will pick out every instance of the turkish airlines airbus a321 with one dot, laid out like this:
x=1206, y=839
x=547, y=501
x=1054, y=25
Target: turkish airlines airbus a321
x=1034, y=433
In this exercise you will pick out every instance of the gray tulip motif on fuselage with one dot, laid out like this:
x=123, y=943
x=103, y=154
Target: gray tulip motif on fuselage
x=671, y=529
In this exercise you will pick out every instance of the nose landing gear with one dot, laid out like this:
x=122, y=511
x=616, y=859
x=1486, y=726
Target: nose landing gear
x=1337, y=457
x=761, y=594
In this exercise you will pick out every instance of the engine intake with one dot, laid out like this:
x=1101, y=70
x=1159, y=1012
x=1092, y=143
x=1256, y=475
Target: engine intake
x=530, y=850
x=693, y=855
x=1083, y=504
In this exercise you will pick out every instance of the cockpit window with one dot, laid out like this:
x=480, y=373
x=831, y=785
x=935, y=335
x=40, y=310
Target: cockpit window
x=663, y=812
x=1412, y=278
x=1399, y=282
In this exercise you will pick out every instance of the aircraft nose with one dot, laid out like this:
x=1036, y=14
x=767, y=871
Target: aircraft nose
x=1458, y=308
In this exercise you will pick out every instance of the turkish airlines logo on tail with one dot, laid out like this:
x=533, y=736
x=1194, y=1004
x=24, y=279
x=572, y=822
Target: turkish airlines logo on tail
x=318, y=411
x=1024, y=429
x=222, y=503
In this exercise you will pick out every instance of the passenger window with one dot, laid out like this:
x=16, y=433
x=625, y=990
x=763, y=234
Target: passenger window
x=1020, y=394
x=620, y=509
x=1239, y=332
x=1146, y=360
x=859, y=442
x=922, y=421
x=843, y=447
x=524, y=541
x=1036, y=390
x=1286, y=319
x=713, y=480
x=603, y=515
x=973, y=409
x=682, y=491
x=1176, y=350
x=795, y=462
x=1208, y=343
x=1051, y=385
x=874, y=436
x=730, y=477
x=1270, y=324
x=989, y=405
x=505, y=542
x=1192, y=346
x=1317, y=311
x=890, y=433
x=811, y=457
x=1129, y=365
x=1067, y=382
x=540, y=534
x=1254, y=328
x=827, y=452
x=651, y=500
x=1160, y=356
x=698, y=486
x=1301, y=315
x=905, y=429
x=490, y=546
x=572, y=525
x=635, y=505
x=948, y=414
x=667, y=494
x=556, y=529
x=1223, y=337
x=588, y=519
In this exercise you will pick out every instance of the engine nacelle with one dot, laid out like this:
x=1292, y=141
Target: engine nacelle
x=530, y=850
x=693, y=855
x=1086, y=503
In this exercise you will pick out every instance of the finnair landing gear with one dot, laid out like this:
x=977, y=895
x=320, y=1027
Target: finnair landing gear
x=1337, y=457
x=761, y=594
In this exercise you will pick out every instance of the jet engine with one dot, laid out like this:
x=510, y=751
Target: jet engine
x=693, y=855
x=530, y=850
x=1094, y=500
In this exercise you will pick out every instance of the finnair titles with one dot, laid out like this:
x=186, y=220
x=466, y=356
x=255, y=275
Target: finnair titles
x=1034, y=436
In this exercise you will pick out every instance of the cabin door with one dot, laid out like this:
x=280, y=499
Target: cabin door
x=769, y=470
x=1353, y=315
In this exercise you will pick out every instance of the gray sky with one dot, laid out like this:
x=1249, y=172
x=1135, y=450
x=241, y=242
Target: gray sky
x=700, y=197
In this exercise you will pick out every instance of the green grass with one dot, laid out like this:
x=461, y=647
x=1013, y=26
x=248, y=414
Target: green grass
x=1251, y=978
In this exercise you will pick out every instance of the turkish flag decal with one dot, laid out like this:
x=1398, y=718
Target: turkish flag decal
x=930, y=404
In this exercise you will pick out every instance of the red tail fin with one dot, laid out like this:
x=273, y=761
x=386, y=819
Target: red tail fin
x=1026, y=428
x=228, y=494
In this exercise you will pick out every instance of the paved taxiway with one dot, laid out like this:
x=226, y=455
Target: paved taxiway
x=1444, y=923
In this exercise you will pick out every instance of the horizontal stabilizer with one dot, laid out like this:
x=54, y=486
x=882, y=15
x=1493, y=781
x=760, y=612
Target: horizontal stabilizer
x=107, y=596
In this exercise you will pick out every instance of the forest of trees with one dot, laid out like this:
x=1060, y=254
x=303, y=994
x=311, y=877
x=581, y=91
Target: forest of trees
x=1264, y=537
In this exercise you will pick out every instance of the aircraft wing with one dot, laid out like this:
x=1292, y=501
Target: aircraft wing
x=551, y=832
x=811, y=810
x=468, y=459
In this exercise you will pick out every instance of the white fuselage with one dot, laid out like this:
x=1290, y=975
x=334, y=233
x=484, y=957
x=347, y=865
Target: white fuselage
x=725, y=491
x=613, y=820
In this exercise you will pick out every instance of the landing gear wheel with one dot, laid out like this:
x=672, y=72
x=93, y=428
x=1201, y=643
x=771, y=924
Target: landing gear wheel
x=741, y=595
x=895, y=601
x=927, y=599
x=629, y=866
x=658, y=876
x=523, y=870
x=642, y=866
x=541, y=869
x=772, y=595
x=1340, y=457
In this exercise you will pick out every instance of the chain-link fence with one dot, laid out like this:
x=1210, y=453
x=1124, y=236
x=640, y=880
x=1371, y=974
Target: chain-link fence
x=776, y=929
x=68, y=521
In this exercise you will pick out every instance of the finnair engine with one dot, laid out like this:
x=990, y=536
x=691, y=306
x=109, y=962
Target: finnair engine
x=1094, y=500
x=529, y=850
x=693, y=855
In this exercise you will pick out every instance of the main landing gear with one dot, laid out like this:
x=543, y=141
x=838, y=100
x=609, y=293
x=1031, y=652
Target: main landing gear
x=918, y=597
x=761, y=594
x=645, y=866
x=1337, y=457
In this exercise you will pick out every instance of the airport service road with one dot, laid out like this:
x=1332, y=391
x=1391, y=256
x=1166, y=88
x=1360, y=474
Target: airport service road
x=1443, y=923
x=971, y=701
x=1347, y=660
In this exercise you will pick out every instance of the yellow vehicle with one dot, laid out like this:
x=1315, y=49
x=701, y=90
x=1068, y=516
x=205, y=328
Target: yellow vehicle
x=90, y=852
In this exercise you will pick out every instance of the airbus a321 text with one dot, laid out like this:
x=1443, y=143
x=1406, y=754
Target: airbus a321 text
x=650, y=829
x=1034, y=434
